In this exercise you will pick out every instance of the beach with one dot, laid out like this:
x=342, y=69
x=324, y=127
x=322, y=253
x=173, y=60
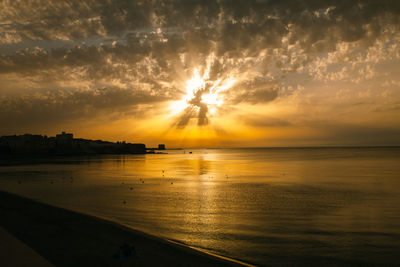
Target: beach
x=67, y=238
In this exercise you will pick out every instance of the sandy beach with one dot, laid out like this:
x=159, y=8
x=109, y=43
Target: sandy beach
x=67, y=238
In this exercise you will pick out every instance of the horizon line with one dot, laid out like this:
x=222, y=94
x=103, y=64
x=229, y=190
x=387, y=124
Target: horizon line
x=273, y=147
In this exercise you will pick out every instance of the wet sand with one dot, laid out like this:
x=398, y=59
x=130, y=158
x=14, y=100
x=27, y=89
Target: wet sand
x=67, y=238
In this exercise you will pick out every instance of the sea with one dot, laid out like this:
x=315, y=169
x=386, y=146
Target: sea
x=263, y=206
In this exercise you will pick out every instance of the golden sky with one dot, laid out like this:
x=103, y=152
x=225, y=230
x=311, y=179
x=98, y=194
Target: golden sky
x=203, y=73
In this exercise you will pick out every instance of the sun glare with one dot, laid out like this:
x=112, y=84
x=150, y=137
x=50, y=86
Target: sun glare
x=201, y=90
x=194, y=84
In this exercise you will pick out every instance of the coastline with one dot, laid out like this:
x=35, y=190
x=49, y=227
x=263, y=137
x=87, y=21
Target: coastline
x=69, y=238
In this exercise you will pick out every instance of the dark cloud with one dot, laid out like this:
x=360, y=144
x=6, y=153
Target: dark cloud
x=56, y=106
x=196, y=109
x=350, y=134
x=254, y=91
x=197, y=112
x=264, y=121
x=34, y=61
x=232, y=24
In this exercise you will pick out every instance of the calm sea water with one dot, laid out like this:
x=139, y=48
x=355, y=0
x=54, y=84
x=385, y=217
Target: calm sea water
x=326, y=206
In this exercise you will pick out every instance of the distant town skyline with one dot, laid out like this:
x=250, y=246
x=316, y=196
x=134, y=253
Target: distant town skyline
x=203, y=73
x=64, y=144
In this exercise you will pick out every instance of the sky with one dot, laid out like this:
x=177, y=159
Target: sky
x=201, y=73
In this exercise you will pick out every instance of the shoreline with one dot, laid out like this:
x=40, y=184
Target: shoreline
x=70, y=238
x=180, y=245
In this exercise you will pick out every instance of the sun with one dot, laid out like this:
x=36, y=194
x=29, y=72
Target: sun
x=203, y=96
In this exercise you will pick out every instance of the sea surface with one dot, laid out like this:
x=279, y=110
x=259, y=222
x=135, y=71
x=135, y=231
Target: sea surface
x=276, y=206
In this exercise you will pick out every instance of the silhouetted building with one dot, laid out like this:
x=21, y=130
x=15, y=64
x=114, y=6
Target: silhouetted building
x=24, y=144
x=64, y=138
x=161, y=147
x=63, y=144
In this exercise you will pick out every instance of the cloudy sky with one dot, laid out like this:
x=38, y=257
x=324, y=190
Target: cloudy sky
x=203, y=73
